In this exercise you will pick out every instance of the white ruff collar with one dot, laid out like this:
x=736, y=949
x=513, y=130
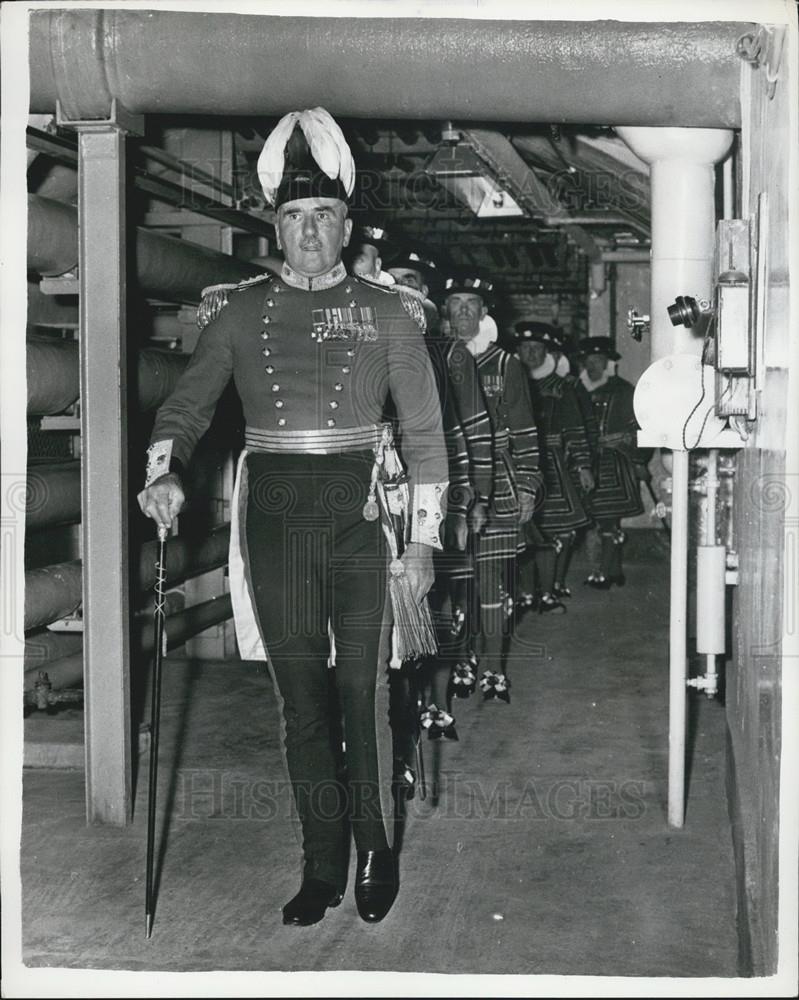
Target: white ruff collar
x=590, y=386
x=334, y=276
x=545, y=369
x=485, y=337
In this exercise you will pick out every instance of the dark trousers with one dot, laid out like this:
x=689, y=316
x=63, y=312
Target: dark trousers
x=314, y=561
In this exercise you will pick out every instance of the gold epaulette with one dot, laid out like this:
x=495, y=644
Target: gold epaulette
x=214, y=298
x=412, y=304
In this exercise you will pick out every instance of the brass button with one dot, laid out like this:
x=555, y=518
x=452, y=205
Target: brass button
x=270, y=303
x=348, y=289
x=269, y=369
x=278, y=404
x=351, y=352
x=281, y=422
x=333, y=404
x=275, y=387
x=353, y=303
x=266, y=320
x=266, y=352
x=331, y=422
x=338, y=386
x=346, y=369
x=264, y=335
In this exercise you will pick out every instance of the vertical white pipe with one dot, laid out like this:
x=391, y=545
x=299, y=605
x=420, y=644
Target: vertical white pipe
x=712, y=484
x=682, y=180
x=727, y=192
x=677, y=637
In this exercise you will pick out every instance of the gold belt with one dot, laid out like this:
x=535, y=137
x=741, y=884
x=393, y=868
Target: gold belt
x=321, y=442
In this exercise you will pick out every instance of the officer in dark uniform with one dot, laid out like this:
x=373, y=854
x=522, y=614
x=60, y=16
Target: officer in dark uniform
x=617, y=493
x=565, y=454
x=314, y=354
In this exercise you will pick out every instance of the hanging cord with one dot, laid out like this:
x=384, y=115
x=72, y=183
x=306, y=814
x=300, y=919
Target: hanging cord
x=705, y=346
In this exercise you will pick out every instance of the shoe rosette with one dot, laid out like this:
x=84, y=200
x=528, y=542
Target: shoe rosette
x=495, y=685
x=463, y=679
x=438, y=723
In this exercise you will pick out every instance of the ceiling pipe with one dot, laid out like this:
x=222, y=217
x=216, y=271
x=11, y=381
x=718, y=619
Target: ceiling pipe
x=166, y=267
x=167, y=62
x=53, y=375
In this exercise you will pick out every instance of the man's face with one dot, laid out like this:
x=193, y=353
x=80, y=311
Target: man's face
x=311, y=232
x=464, y=312
x=532, y=353
x=409, y=278
x=595, y=365
x=366, y=261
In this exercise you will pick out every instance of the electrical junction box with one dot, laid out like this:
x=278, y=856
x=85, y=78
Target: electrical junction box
x=739, y=312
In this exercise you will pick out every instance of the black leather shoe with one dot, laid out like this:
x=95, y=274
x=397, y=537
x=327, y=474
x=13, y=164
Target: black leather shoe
x=375, y=884
x=309, y=905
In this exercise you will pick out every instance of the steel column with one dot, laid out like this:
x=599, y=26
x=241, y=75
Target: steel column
x=103, y=385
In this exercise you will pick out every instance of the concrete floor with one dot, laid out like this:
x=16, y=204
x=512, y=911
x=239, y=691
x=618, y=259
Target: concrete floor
x=544, y=850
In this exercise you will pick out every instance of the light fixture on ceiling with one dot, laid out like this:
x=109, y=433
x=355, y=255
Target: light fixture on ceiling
x=460, y=170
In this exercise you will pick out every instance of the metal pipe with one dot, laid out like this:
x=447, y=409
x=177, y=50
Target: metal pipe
x=55, y=591
x=166, y=267
x=677, y=637
x=52, y=494
x=53, y=375
x=52, y=592
x=164, y=62
x=710, y=586
x=682, y=179
x=68, y=671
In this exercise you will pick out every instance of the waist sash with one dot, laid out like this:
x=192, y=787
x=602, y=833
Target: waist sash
x=318, y=442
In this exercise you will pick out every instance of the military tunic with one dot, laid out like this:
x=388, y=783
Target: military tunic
x=314, y=361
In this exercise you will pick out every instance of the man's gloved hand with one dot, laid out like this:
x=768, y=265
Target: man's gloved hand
x=163, y=499
x=478, y=516
x=456, y=531
x=418, y=562
x=526, y=507
x=586, y=480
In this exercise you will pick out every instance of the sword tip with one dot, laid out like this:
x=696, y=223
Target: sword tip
x=149, y=919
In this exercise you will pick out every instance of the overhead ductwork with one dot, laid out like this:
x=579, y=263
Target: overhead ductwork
x=54, y=375
x=165, y=267
x=168, y=62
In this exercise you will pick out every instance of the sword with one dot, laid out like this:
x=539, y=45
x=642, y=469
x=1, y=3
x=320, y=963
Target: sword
x=155, y=715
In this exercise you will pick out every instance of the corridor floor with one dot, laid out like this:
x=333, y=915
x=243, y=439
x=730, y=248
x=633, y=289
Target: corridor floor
x=542, y=849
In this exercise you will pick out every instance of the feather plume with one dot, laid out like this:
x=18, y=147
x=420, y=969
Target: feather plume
x=272, y=161
x=328, y=146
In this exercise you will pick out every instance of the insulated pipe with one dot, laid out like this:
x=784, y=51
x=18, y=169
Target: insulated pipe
x=68, y=671
x=52, y=592
x=52, y=494
x=682, y=183
x=53, y=375
x=166, y=267
x=55, y=591
x=158, y=61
